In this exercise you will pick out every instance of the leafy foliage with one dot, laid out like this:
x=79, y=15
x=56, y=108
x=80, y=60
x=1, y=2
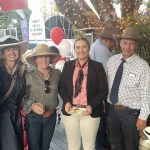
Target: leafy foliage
x=142, y=22
x=6, y=19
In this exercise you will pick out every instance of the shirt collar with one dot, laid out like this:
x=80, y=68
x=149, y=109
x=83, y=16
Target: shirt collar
x=129, y=59
x=39, y=73
x=77, y=64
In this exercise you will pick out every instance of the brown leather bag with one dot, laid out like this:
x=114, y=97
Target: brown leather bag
x=2, y=100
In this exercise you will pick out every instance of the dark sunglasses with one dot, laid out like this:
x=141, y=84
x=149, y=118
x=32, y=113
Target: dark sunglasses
x=47, y=88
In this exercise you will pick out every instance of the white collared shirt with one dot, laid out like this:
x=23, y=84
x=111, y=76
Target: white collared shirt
x=134, y=89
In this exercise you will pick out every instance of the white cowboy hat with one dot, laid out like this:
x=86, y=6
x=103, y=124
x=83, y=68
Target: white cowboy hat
x=28, y=52
x=144, y=143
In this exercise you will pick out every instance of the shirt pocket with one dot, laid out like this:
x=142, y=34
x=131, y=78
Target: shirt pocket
x=131, y=81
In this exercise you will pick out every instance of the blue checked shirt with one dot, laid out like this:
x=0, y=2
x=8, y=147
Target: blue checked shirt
x=134, y=89
x=99, y=52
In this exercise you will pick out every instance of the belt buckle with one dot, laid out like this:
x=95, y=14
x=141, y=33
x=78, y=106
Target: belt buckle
x=120, y=107
x=48, y=113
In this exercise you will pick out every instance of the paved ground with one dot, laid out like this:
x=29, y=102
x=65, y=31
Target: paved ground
x=59, y=141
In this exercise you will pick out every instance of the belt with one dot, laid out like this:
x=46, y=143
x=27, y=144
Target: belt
x=119, y=107
x=80, y=106
x=48, y=113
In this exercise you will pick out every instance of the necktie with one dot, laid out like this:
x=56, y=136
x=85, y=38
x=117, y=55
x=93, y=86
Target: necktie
x=79, y=80
x=116, y=83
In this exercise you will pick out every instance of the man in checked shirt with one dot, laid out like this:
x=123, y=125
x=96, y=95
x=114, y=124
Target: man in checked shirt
x=129, y=96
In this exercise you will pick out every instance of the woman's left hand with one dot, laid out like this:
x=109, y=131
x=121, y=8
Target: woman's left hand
x=88, y=110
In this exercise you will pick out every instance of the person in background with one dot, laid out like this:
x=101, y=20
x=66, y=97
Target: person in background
x=40, y=101
x=55, y=50
x=100, y=51
x=83, y=87
x=61, y=61
x=128, y=98
x=12, y=87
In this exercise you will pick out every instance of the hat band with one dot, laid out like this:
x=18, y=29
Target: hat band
x=9, y=41
x=147, y=132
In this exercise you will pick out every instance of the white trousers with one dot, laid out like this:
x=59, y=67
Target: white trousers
x=79, y=128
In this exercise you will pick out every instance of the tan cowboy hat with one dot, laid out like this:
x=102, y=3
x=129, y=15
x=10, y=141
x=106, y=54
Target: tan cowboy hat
x=42, y=50
x=9, y=40
x=130, y=33
x=108, y=33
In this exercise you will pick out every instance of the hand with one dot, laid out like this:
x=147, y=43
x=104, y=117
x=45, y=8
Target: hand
x=37, y=108
x=68, y=107
x=140, y=124
x=88, y=110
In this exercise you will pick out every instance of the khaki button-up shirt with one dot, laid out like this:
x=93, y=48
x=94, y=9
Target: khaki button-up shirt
x=35, y=90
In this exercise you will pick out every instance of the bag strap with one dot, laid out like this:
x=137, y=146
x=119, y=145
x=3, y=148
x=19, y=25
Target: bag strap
x=9, y=91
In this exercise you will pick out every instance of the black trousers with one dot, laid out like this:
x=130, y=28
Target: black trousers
x=11, y=133
x=123, y=131
x=102, y=138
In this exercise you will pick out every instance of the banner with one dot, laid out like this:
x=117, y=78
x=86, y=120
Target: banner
x=25, y=30
x=7, y=5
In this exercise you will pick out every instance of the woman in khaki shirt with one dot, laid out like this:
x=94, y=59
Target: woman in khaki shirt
x=40, y=100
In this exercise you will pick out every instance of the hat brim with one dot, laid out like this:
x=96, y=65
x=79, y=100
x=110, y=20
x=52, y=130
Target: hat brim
x=129, y=38
x=23, y=46
x=108, y=37
x=53, y=58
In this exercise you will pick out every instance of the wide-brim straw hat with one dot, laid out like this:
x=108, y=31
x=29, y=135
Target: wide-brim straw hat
x=9, y=40
x=108, y=33
x=42, y=50
x=130, y=33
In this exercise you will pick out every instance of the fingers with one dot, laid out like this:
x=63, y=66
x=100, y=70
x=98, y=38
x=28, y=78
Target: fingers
x=37, y=108
x=140, y=127
x=68, y=107
x=140, y=124
x=88, y=110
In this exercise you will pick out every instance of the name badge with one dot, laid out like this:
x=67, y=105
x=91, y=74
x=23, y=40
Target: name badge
x=132, y=75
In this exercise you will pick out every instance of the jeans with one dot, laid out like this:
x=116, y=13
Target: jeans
x=123, y=131
x=40, y=130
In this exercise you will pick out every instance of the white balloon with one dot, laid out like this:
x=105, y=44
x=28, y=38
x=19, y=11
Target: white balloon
x=65, y=48
x=60, y=64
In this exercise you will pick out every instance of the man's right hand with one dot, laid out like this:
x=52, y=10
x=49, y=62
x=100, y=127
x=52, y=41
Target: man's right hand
x=37, y=108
